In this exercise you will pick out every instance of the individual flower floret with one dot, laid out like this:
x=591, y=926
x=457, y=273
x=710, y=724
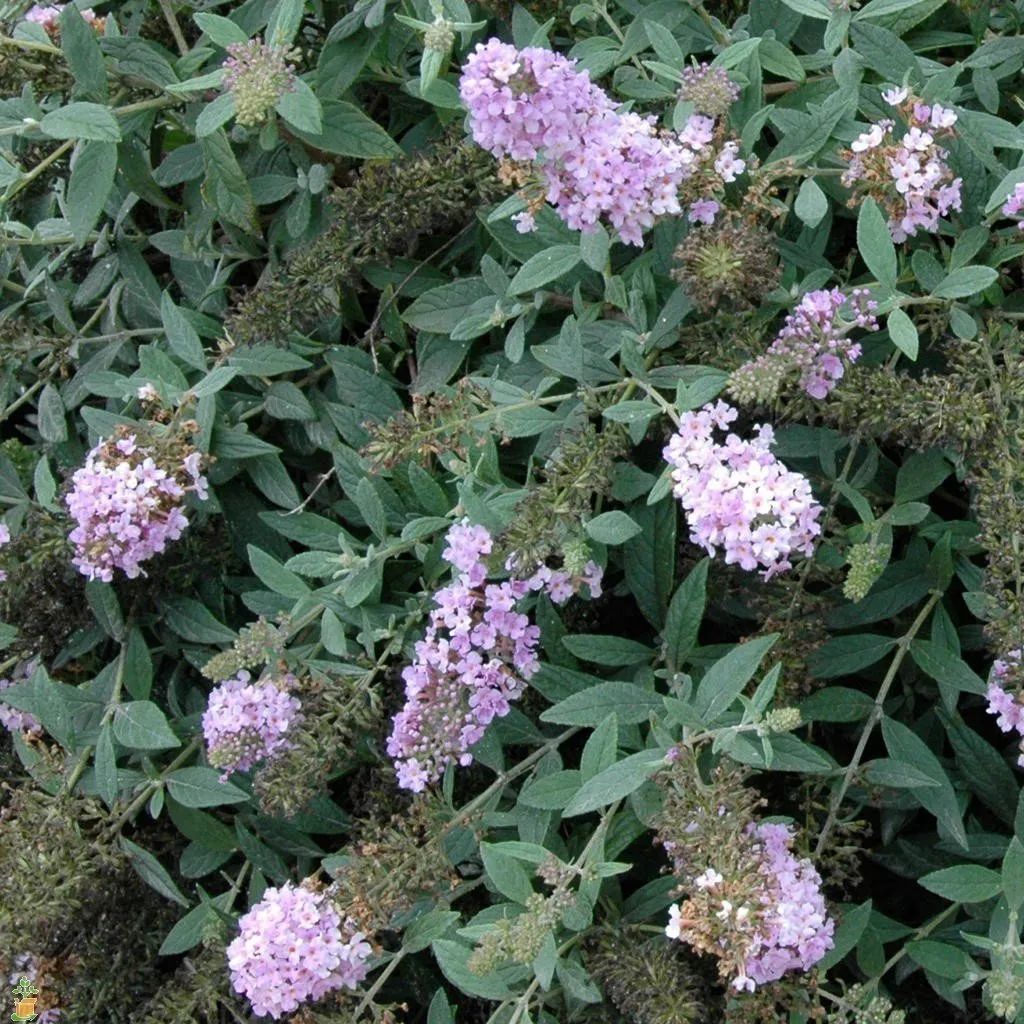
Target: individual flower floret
x=11, y=718
x=762, y=916
x=257, y=76
x=813, y=343
x=738, y=496
x=126, y=501
x=905, y=172
x=245, y=722
x=1007, y=703
x=476, y=657
x=709, y=89
x=292, y=948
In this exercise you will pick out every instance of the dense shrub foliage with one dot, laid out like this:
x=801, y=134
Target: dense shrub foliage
x=512, y=513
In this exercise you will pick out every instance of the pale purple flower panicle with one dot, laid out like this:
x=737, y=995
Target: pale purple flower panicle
x=911, y=167
x=5, y=538
x=531, y=105
x=795, y=930
x=814, y=343
x=245, y=722
x=738, y=496
x=48, y=15
x=1003, y=703
x=11, y=718
x=292, y=948
x=1015, y=203
x=127, y=507
x=476, y=657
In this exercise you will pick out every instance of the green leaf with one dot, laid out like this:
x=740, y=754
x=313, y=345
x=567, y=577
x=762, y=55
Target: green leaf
x=905, y=745
x=347, y=131
x=607, y=650
x=301, y=109
x=903, y=333
x=188, y=932
x=426, y=929
x=52, y=420
x=896, y=774
x=945, y=667
x=82, y=121
x=92, y=177
x=615, y=782
x=552, y=792
x=285, y=22
x=601, y=748
x=851, y=927
x=921, y=474
x=266, y=361
x=545, y=267
x=875, y=243
x=966, y=883
x=1013, y=874
x=811, y=203
x=441, y=309
x=285, y=401
x=811, y=8
x=594, y=248
x=847, y=655
x=507, y=874
x=222, y=31
x=940, y=958
x=199, y=786
x=685, y=615
x=181, y=335
x=451, y=958
x=780, y=61
x=965, y=281
x=275, y=576
x=141, y=725
x=836, y=704
x=106, y=766
x=82, y=52
x=226, y=186
x=216, y=113
x=728, y=677
x=194, y=621
x=631, y=703
x=612, y=528
x=152, y=872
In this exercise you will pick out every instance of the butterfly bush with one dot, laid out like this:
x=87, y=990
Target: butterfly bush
x=906, y=171
x=530, y=105
x=738, y=496
x=13, y=720
x=292, y=948
x=247, y=722
x=257, y=76
x=813, y=343
x=127, y=502
x=775, y=921
x=476, y=657
x=1004, y=703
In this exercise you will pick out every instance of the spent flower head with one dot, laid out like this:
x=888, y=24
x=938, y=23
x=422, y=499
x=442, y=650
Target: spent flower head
x=257, y=76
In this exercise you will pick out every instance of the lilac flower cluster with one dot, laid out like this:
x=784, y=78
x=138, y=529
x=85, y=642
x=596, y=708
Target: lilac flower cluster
x=13, y=720
x=738, y=496
x=292, y=948
x=531, y=105
x=48, y=15
x=257, y=76
x=245, y=723
x=813, y=343
x=778, y=924
x=128, y=506
x=907, y=175
x=475, y=658
x=1015, y=203
x=1002, y=702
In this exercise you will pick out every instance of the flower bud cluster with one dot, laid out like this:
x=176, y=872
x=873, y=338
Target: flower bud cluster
x=11, y=718
x=256, y=644
x=292, y=948
x=1004, y=697
x=245, y=723
x=738, y=496
x=257, y=76
x=530, y=105
x=813, y=343
x=867, y=563
x=126, y=500
x=906, y=174
x=520, y=938
x=710, y=90
x=476, y=657
x=762, y=916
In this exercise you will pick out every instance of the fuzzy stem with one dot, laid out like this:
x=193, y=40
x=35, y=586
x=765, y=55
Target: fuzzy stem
x=141, y=799
x=873, y=718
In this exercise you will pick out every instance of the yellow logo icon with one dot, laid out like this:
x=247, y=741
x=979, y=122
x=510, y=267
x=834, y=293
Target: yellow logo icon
x=26, y=993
